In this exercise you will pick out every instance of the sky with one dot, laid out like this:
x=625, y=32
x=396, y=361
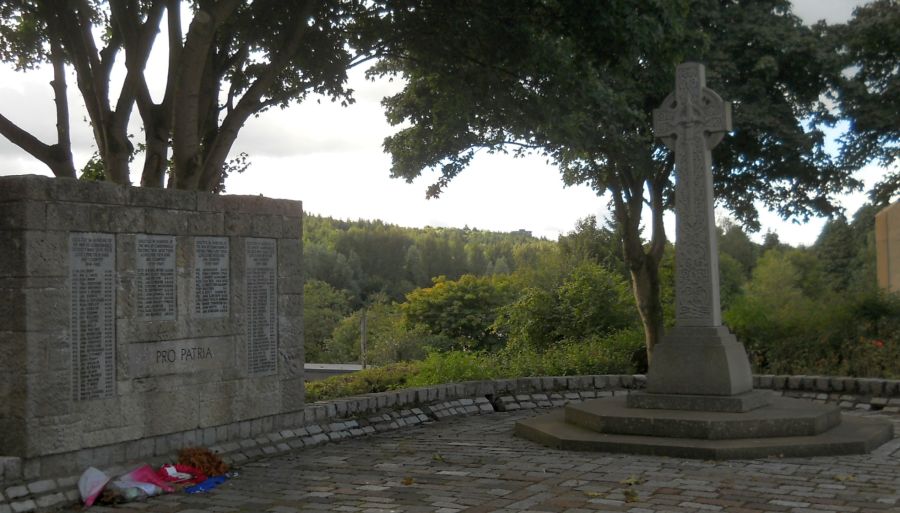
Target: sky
x=330, y=157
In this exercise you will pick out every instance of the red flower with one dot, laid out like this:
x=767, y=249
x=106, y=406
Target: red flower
x=878, y=343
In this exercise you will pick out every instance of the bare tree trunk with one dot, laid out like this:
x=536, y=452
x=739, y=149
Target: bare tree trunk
x=645, y=283
x=643, y=261
x=157, y=118
x=186, y=142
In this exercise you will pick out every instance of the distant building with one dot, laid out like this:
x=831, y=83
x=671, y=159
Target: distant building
x=887, y=241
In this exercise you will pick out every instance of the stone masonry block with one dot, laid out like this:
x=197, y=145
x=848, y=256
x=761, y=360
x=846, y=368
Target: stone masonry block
x=25, y=187
x=42, y=486
x=67, y=190
x=257, y=205
x=292, y=227
x=808, y=382
x=23, y=215
x=204, y=223
x=171, y=199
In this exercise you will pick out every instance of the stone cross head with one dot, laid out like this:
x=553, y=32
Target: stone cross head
x=692, y=106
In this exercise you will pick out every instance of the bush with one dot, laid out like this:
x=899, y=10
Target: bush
x=793, y=323
x=366, y=381
x=601, y=355
x=590, y=303
x=611, y=354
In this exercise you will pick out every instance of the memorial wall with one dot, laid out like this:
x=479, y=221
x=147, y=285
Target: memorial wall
x=131, y=314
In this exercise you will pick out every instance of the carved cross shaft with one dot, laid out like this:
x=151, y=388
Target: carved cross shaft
x=691, y=122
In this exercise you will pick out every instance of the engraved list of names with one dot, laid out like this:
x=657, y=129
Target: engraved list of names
x=155, y=277
x=211, y=277
x=262, y=318
x=92, y=325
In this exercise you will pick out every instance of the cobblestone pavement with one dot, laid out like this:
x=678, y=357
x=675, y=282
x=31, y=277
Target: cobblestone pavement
x=474, y=464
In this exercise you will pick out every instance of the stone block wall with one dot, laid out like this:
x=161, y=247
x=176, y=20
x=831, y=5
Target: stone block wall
x=129, y=313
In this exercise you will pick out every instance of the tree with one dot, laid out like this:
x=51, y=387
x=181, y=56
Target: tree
x=323, y=308
x=578, y=81
x=735, y=243
x=836, y=249
x=590, y=242
x=463, y=309
x=236, y=60
x=869, y=94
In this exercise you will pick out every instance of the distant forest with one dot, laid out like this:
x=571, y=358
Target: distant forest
x=368, y=258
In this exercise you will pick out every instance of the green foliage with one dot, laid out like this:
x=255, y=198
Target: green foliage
x=463, y=309
x=323, y=309
x=590, y=302
x=93, y=170
x=734, y=242
x=454, y=367
x=606, y=355
x=835, y=249
x=793, y=322
x=371, y=257
x=869, y=91
x=379, y=379
x=621, y=352
x=578, y=83
x=594, y=243
x=731, y=279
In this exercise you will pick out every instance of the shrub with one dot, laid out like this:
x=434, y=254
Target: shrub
x=612, y=354
x=366, y=381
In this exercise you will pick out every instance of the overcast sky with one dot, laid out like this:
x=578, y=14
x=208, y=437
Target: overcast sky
x=331, y=158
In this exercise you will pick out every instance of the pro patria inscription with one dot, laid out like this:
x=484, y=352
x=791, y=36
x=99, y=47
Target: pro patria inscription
x=261, y=306
x=189, y=356
x=92, y=322
x=155, y=277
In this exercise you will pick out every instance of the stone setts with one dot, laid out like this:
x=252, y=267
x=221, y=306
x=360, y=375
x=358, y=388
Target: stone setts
x=21, y=490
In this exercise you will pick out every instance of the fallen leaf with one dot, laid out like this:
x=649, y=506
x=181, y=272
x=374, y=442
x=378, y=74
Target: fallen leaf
x=632, y=480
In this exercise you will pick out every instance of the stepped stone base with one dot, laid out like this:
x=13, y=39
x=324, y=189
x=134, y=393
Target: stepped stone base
x=728, y=403
x=787, y=427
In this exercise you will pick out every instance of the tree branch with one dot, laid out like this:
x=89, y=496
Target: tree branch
x=63, y=150
x=251, y=102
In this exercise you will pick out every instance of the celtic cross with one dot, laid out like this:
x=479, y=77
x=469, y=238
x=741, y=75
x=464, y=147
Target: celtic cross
x=691, y=121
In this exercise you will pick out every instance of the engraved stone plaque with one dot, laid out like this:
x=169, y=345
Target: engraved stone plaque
x=261, y=306
x=92, y=322
x=155, y=277
x=211, y=277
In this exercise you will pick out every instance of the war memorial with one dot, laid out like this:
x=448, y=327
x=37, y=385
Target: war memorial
x=135, y=322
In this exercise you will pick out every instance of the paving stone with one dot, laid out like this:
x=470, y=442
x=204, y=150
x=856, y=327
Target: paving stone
x=474, y=463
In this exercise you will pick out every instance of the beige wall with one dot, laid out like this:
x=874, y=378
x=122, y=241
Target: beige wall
x=887, y=238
